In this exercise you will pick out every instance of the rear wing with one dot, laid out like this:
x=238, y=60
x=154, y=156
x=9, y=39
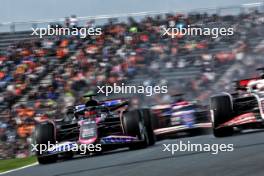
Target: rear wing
x=243, y=83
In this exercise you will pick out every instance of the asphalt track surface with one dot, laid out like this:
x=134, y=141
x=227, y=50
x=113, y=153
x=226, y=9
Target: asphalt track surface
x=245, y=160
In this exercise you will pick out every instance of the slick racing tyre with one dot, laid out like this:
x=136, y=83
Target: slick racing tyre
x=222, y=111
x=136, y=125
x=45, y=133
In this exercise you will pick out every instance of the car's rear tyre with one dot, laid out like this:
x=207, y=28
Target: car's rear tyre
x=136, y=125
x=222, y=111
x=44, y=134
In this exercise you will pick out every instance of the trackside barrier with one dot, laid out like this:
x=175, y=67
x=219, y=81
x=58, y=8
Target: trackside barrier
x=102, y=19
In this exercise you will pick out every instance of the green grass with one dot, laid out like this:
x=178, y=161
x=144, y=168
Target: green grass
x=9, y=164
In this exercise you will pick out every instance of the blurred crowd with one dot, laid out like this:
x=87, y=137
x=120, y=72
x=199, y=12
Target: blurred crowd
x=40, y=78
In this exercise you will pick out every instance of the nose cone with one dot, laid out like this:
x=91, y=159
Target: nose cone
x=88, y=132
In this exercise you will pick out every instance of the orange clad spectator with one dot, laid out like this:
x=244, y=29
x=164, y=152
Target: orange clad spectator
x=64, y=43
x=25, y=130
x=21, y=69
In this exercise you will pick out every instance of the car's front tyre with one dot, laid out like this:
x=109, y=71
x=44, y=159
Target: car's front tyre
x=44, y=134
x=138, y=123
x=222, y=111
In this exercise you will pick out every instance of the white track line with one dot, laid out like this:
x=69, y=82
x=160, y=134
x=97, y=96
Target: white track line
x=2, y=173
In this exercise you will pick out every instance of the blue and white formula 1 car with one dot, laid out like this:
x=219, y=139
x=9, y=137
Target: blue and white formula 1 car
x=180, y=116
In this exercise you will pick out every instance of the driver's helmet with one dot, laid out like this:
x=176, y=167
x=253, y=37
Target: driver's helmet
x=91, y=102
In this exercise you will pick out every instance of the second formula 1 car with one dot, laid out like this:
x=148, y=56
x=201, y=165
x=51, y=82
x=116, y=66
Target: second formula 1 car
x=240, y=110
x=180, y=116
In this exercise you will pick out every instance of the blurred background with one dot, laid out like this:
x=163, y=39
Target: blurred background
x=39, y=78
